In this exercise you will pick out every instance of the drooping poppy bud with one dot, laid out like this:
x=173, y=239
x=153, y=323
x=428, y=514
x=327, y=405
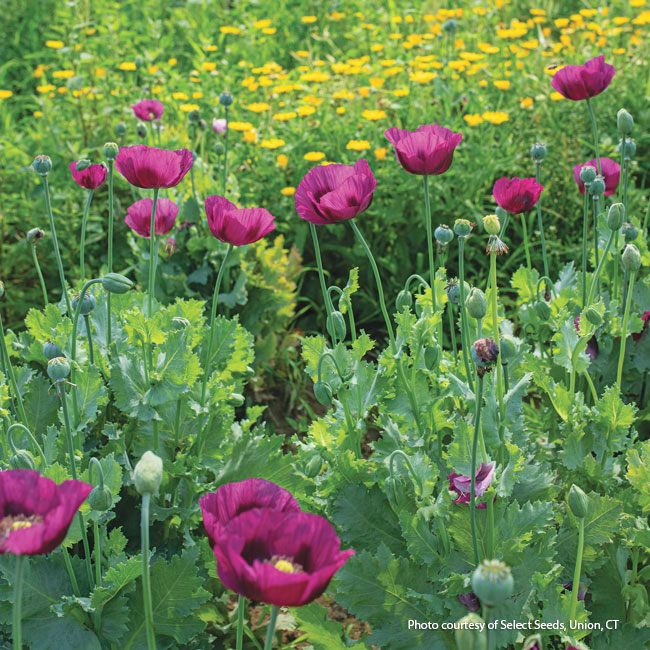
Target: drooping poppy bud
x=631, y=258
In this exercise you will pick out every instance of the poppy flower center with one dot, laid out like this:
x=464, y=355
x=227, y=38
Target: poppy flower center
x=285, y=564
x=10, y=523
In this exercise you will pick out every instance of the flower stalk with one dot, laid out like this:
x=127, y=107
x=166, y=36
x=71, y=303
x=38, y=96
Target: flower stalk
x=270, y=629
x=241, y=610
x=109, y=331
x=82, y=248
x=9, y=370
x=321, y=275
x=540, y=222
x=626, y=318
x=477, y=422
x=146, y=576
x=37, y=266
x=17, y=629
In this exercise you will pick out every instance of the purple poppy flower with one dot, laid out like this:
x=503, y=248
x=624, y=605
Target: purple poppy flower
x=484, y=352
x=611, y=174
x=462, y=484
x=283, y=558
x=568, y=586
x=470, y=600
x=138, y=217
x=427, y=151
x=148, y=109
x=219, y=125
x=592, y=346
x=237, y=226
x=150, y=167
x=91, y=178
x=516, y=195
x=578, y=82
x=233, y=499
x=332, y=193
x=35, y=512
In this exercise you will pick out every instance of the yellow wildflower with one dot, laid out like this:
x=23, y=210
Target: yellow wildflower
x=229, y=30
x=250, y=136
x=314, y=156
x=374, y=115
x=422, y=77
x=340, y=110
x=336, y=15
x=55, y=45
x=288, y=191
x=45, y=89
x=258, y=107
x=262, y=23
x=269, y=30
x=502, y=84
x=308, y=19
x=186, y=108
x=380, y=154
x=401, y=92
x=240, y=126
x=5, y=94
x=303, y=111
x=358, y=145
x=488, y=48
x=172, y=61
x=364, y=92
x=273, y=143
x=63, y=74
x=526, y=102
x=284, y=117
x=37, y=113
x=209, y=66
x=557, y=96
x=495, y=117
x=127, y=65
x=473, y=119
x=282, y=160
x=377, y=82
x=180, y=95
x=315, y=76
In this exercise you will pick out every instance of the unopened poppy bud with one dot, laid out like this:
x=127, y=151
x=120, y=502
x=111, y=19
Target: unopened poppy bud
x=476, y=303
x=508, y=348
x=219, y=148
x=462, y=227
x=51, y=350
x=492, y=224
x=597, y=187
x=110, y=150
x=58, y=368
x=336, y=325
x=120, y=129
x=116, y=283
x=100, y=498
x=34, y=235
x=22, y=459
x=42, y=165
x=404, y=299
x=615, y=216
x=236, y=399
x=624, y=122
x=314, y=466
x=432, y=354
x=141, y=130
x=492, y=582
x=631, y=258
x=87, y=304
x=578, y=502
x=593, y=316
x=148, y=473
x=323, y=393
x=471, y=633
x=139, y=61
x=629, y=149
x=443, y=234
x=543, y=310
x=538, y=152
x=449, y=26
x=180, y=323
x=588, y=174
x=533, y=642
x=629, y=231
x=193, y=116
x=226, y=99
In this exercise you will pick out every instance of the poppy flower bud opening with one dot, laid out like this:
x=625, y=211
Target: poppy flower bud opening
x=484, y=353
x=443, y=234
x=470, y=633
x=538, y=152
x=598, y=187
x=463, y=227
x=476, y=303
x=624, y=122
x=110, y=150
x=22, y=459
x=492, y=582
x=194, y=116
x=100, y=499
x=492, y=224
x=631, y=258
x=323, y=393
x=314, y=466
x=578, y=502
x=141, y=130
x=629, y=231
x=226, y=99
x=588, y=174
x=58, y=369
x=148, y=473
x=336, y=325
x=35, y=234
x=42, y=165
x=615, y=216
x=51, y=350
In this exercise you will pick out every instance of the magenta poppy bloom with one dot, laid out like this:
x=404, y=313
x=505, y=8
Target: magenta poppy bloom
x=151, y=168
x=462, y=485
x=611, y=174
x=283, y=558
x=221, y=507
x=427, y=151
x=219, y=125
x=333, y=193
x=148, y=109
x=470, y=601
x=35, y=512
x=138, y=217
x=234, y=225
x=578, y=82
x=516, y=195
x=592, y=345
x=91, y=178
x=645, y=318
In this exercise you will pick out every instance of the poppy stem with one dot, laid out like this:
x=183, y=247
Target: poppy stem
x=90, y=340
x=146, y=577
x=495, y=324
x=472, y=505
x=432, y=268
x=270, y=628
x=540, y=222
x=57, y=252
x=594, y=280
x=70, y=570
x=380, y=290
x=626, y=318
x=225, y=153
x=12, y=445
x=213, y=315
x=524, y=227
x=463, y=314
x=82, y=249
x=9, y=371
x=321, y=275
x=585, y=228
x=576, y=574
x=40, y=275
x=594, y=128
x=17, y=629
x=241, y=610
x=152, y=253
x=450, y=313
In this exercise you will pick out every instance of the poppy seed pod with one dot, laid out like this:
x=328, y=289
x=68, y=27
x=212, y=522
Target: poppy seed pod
x=58, y=369
x=323, y=393
x=578, y=502
x=120, y=129
x=116, y=283
x=443, y=234
x=453, y=291
x=597, y=188
x=226, y=99
x=492, y=582
x=624, y=122
x=588, y=174
x=82, y=164
x=219, y=149
x=538, y=152
x=35, y=234
x=87, y=304
x=22, y=459
x=51, y=350
x=336, y=325
x=629, y=149
x=110, y=150
x=42, y=165
x=463, y=227
x=471, y=633
x=404, y=299
x=148, y=473
x=100, y=499
x=629, y=231
x=450, y=25
x=139, y=61
x=492, y=224
x=141, y=130
x=476, y=303
x=631, y=258
x=615, y=216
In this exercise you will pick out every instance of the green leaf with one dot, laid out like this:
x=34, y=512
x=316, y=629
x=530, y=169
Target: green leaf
x=41, y=405
x=638, y=470
x=323, y=633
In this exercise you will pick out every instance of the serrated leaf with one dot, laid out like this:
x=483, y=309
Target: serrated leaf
x=323, y=634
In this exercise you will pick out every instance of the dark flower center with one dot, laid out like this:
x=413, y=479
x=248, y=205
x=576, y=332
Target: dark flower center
x=10, y=523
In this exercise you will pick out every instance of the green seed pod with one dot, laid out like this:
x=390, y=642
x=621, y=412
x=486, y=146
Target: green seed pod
x=193, y=116
x=323, y=393
x=336, y=325
x=100, y=499
x=624, y=122
x=588, y=174
x=42, y=165
x=34, y=235
x=594, y=317
x=443, y=234
x=631, y=258
x=148, y=473
x=578, y=502
x=492, y=224
x=462, y=227
x=219, y=149
x=629, y=231
x=597, y=187
x=538, y=152
x=615, y=216
x=226, y=99
x=82, y=164
x=51, y=350
x=110, y=150
x=450, y=26
x=179, y=323
x=116, y=283
x=87, y=304
x=120, y=129
x=432, y=356
x=314, y=466
x=543, y=310
x=469, y=635
x=476, y=303
x=404, y=300
x=58, y=369
x=22, y=459
x=508, y=348
x=492, y=582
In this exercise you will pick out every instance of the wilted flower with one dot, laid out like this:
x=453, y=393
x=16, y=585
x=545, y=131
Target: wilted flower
x=485, y=353
x=578, y=82
x=150, y=167
x=91, y=177
x=516, y=195
x=237, y=226
x=611, y=173
x=148, y=109
x=471, y=600
x=462, y=484
x=138, y=217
